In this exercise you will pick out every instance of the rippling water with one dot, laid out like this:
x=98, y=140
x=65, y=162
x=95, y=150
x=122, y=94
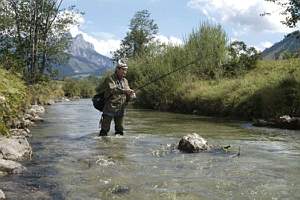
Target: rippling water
x=71, y=162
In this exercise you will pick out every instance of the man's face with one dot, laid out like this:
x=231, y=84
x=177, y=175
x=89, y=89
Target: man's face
x=121, y=72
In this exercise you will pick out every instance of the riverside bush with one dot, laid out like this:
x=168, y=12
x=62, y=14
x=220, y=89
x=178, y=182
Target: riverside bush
x=42, y=92
x=84, y=88
x=205, y=51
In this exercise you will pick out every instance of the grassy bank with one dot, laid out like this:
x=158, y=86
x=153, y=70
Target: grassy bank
x=271, y=89
x=13, y=98
x=16, y=96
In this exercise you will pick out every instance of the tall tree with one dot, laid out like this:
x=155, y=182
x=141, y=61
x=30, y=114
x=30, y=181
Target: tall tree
x=207, y=45
x=142, y=30
x=291, y=11
x=37, y=33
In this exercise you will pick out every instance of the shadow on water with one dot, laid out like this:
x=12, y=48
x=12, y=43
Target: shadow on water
x=71, y=162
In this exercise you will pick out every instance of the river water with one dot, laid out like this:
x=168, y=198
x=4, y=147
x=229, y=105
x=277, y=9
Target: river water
x=71, y=162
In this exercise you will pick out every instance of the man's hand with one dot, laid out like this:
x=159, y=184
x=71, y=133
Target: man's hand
x=129, y=92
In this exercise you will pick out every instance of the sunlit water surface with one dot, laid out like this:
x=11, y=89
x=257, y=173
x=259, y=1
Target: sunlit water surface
x=71, y=162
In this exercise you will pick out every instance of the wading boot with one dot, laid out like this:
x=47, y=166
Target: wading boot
x=103, y=133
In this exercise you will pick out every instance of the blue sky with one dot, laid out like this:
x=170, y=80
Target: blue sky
x=105, y=22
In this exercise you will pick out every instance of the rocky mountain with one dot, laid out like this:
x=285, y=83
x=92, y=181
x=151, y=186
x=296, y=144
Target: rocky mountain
x=84, y=60
x=291, y=44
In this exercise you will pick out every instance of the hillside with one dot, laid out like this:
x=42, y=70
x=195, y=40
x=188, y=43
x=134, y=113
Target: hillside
x=291, y=43
x=84, y=60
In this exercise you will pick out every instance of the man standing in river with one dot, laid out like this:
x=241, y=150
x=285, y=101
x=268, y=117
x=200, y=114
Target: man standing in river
x=117, y=94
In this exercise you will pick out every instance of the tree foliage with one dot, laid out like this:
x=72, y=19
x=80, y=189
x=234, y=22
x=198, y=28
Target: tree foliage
x=291, y=11
x=142, y=30
x=207, y=46
x=34, y=32
x=241, y=58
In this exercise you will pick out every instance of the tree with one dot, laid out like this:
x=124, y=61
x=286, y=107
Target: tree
x=142, y=30
x=291, y=11
x=36, y=35
x=241, y=58
x=207, y=45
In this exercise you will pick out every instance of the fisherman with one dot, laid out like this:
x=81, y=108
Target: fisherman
x=117, y=94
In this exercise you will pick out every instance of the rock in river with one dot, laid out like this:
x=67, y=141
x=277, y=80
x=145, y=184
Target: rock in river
x=2, y=195
x=15, y=148
x=11, y=167
x=193, y=143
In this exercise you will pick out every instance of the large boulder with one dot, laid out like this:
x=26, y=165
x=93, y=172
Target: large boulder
x=193, y=143
x=15, y=148
x=11, y=167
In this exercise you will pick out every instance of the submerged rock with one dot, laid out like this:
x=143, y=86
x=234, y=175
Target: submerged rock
x=119, y=189
x=2, y=195
x=193, y=143
x=11, y=167
x=15, y=148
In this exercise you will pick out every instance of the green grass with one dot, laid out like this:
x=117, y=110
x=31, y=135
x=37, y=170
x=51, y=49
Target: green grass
x=269, y=90
x=14, y=98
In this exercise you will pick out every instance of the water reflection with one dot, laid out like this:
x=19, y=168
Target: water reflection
x=71, y=162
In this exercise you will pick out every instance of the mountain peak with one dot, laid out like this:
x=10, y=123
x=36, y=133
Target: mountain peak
x=84, y=60
x=79, y=44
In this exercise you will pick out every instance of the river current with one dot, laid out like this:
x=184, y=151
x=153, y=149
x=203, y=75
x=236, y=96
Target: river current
x=70, y=162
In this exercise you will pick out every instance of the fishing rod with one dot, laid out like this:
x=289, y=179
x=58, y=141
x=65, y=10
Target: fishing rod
x=165, y=75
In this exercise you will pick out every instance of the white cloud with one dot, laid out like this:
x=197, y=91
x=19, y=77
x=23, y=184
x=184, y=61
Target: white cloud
x=266, y=44
x=263, y=45
x=242, y=16
x=171, y=40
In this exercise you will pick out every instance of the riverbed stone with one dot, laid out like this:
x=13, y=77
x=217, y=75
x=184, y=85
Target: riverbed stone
x=20, y=132
x=11, y=167
x=120, y=189
x=2, y=195
x=36, y=110
x=15, y=148
x=283, y=122
x=50, y=102
x=193, y=143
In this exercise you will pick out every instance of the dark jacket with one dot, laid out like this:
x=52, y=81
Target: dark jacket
x=116, y=98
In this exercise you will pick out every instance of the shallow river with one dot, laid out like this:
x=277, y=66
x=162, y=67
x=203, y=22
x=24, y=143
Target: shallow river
x=71, y=162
